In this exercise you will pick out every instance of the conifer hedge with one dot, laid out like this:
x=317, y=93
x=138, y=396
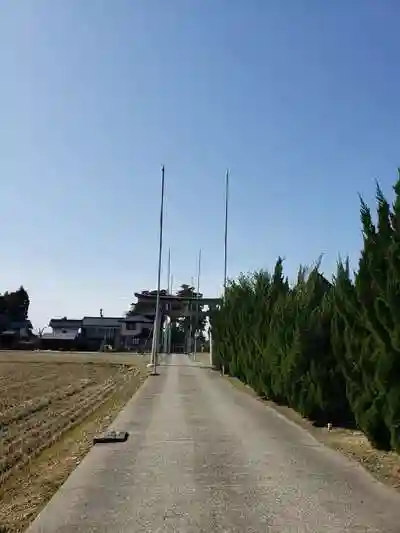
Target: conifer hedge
x=330, y=350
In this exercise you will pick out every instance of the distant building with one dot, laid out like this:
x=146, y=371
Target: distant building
x=93, y=333
x=65, y=325
x=23, y=328
x=15, y=333
x=65, y=334
x=101, y=330
x=136, y=332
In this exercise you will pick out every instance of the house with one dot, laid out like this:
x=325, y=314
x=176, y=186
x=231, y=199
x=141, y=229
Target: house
x=23, y=328
x=100, y=330
x=136, y=332
x=15, y=333
x=94, y=332
x=65, y=334
x=65, y=325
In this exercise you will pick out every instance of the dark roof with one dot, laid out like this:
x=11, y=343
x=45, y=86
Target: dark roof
x=65, y=322
x=101, y=322
x=173, y=298
x=138, y=318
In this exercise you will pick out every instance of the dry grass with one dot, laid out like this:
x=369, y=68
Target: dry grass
x=72, y=357
x=384, y=466
x=49, y=413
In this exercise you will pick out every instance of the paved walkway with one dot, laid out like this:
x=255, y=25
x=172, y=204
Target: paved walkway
x=205, y=457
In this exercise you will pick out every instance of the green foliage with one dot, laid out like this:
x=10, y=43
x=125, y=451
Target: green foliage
x=197, y=319
x=14, y=307
x=330, y=350
x=144, y=306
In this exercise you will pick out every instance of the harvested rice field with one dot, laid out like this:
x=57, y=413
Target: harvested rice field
x=51, y=406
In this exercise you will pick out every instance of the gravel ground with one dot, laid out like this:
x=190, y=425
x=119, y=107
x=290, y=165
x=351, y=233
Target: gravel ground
x=205, y=456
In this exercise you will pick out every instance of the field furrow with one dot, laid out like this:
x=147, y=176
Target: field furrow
x=40, y=403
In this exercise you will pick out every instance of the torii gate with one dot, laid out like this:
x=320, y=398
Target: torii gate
x=174, y=307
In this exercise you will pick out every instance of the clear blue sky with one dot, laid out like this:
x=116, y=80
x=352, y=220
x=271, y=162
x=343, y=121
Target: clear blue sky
x=300, y=98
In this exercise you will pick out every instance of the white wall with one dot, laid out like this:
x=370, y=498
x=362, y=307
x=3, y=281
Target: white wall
x=125, y=332
x=66, y=330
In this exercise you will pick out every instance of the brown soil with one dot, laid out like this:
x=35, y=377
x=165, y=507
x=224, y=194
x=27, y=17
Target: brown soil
x=25, y=490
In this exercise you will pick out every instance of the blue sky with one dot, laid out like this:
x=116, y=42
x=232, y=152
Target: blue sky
x=299, y=98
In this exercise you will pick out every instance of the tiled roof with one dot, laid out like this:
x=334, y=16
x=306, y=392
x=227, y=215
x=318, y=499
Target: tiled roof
x=65, y=322
x=101, y=322
x=138, y=318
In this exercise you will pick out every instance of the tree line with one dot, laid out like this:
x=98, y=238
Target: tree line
x=328, y=349
x=14, y=307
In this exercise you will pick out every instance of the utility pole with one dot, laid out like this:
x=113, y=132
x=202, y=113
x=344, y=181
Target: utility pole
x=156, y=331
x=196, y=324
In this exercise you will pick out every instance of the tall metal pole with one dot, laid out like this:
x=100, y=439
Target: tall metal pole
x=171, y=289
x=156, y=331
x=225, y=255
x=169, y=272
x=211, y=347
x=167, y=332
x=197, y=305
x=190, y=343
x=226, y=229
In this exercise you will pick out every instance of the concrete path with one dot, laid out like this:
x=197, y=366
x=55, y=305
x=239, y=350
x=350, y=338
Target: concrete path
x=204, y=456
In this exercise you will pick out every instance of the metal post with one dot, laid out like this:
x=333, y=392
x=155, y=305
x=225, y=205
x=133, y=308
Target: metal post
x=171, y=288
x=226, y=229
x=156, y=331
x=169, y=271
x=167, y=332
x=211, y=347
x=190, y=343
x=197, y=305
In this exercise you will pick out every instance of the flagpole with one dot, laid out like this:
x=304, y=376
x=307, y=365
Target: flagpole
x=171, y=289
x=167, y=332
x=169, y=272
x=226, y=229
x=197, y=305
x=190, y=344
x=156, y=330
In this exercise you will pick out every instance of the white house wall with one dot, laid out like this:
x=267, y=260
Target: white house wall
x=58, y=331
x=125, y=332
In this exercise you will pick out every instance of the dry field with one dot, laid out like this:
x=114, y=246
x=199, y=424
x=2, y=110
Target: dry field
x=45, y=398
